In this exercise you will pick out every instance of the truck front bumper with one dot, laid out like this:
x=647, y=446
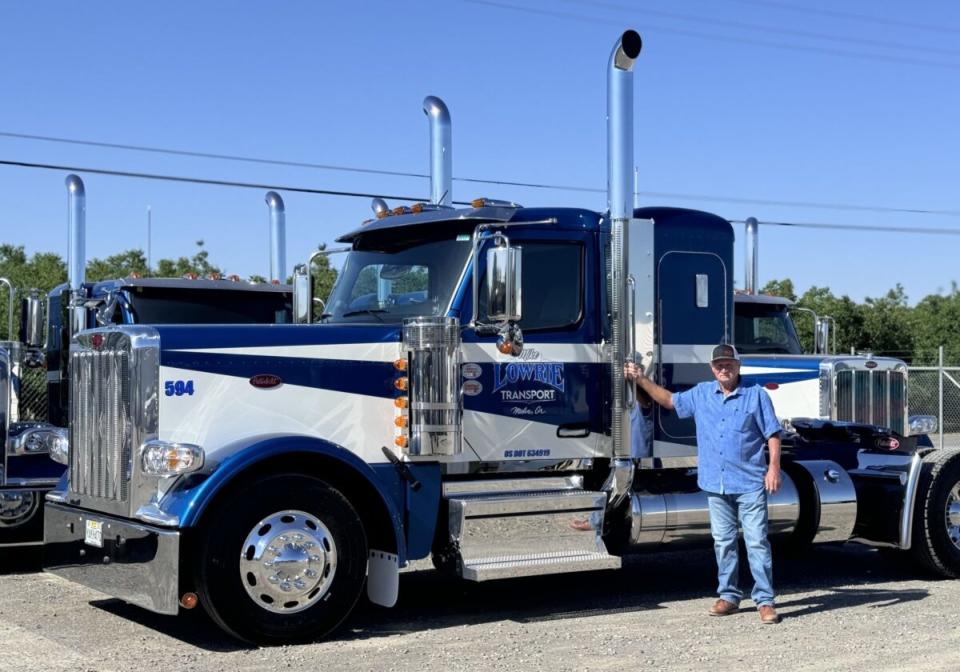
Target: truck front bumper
x=136, y=563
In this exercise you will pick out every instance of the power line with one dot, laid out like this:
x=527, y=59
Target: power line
x=477, y=180
x=360, y=194
x=850, y=15
x=209, y=155
x=860, y=227
x=218, y=183
x=886, y=45
x=844, y=53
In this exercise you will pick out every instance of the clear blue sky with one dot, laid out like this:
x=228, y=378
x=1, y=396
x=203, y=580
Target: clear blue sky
x=735, y=98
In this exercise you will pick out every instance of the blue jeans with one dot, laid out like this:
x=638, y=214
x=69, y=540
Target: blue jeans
x=750, y=511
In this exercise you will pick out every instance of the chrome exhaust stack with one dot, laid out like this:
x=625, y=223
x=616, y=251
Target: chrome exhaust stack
x=76, y=249
x=751, y=256
x=441, y=151
x=278, y=237
x=620, y=201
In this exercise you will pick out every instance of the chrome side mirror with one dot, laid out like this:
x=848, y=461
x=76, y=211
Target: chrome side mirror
x=106, y=310
x=31, y=320
x=510, y=340
x=302, y=295
x=504, y=298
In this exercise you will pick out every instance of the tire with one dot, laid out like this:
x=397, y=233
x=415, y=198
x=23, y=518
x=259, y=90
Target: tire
x=281, y=560
x=935, y=545
x=21, y=516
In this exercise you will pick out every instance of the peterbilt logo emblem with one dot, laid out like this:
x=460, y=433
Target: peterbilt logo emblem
x=266, y=381
x=96, y=341
x=871, y=364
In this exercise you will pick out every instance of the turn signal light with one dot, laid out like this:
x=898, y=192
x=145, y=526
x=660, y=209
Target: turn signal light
x=400, y=364
x=400, y=441
x=401, y=383
x=416, y=208
x=401, y=402
x=400, y=421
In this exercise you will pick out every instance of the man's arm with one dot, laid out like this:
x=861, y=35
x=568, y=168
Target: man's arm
x=773, y=479
x=660, y=395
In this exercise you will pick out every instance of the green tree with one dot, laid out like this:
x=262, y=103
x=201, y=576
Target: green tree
x=324, y=275
x=782, y=288
x=847, y=315
x=934, y=323
x=199, y=264
x=42, y=271
x=887, y=325
x=119, y=265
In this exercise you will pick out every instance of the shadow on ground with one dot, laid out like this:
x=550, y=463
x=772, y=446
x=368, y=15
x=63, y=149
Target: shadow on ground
x=841, y=576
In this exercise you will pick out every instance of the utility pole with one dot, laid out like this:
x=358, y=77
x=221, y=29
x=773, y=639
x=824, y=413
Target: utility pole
x=149, y=217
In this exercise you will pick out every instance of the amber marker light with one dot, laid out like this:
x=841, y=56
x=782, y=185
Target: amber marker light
x=401, y=384
x=400, y=364
x=401, y=402
x=400, y=441
x=477, y=202
x=416, y=208
x=400, y=421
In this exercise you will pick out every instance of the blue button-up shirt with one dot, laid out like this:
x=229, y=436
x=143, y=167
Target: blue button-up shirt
x=731, y=433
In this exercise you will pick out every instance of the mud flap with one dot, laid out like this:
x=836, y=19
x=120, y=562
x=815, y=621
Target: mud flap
x=383, y=578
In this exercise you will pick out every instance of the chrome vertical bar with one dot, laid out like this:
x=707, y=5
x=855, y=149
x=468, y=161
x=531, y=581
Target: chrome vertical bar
x=441, y=151
x=278, y=237
x=620, y=164
x=751, y=256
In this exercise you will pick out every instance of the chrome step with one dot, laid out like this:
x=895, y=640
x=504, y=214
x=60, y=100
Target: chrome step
x=543, y=563
x=501, y=533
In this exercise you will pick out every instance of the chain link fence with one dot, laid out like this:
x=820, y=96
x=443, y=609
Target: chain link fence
x=935, y=390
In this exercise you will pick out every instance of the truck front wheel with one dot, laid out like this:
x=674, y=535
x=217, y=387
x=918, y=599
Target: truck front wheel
x=936, y=522
x=282, y=559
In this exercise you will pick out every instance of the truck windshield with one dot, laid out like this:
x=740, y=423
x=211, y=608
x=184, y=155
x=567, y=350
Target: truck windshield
x=392, y=284
x=201, y=306
x=764, y=328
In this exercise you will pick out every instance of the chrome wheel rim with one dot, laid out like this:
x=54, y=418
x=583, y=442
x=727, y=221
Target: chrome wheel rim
x=952, y=515
x=17, y=507
x=288, y=562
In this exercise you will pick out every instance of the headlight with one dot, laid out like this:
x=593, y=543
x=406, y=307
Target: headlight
x=166, y=458
x=42, y=440
x=923, y=424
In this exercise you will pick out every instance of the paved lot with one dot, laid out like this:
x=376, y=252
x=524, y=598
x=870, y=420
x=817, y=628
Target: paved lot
x=844, y=608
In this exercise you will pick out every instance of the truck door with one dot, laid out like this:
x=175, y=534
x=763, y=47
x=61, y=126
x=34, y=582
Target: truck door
x=546, y=403
x=693, y=316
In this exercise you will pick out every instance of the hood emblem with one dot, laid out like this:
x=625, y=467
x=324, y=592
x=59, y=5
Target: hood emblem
x=266, y=381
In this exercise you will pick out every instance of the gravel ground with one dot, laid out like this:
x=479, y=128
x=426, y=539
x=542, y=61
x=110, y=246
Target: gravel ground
x=844, y=608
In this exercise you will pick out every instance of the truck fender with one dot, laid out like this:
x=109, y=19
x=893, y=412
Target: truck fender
x=836, y=499
x=191, y=499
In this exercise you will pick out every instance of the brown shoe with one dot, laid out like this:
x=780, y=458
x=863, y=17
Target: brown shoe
x=723, y=608
x=768, y=615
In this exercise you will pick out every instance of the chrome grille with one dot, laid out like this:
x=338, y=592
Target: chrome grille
x=100, y=423
x=876, y=397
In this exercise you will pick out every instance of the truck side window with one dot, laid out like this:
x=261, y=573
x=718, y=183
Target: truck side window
x=552, y=285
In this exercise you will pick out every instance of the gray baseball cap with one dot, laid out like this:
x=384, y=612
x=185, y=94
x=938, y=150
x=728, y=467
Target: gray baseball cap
x=724, y=351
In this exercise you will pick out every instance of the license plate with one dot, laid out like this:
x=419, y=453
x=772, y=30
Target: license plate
x=93, y=534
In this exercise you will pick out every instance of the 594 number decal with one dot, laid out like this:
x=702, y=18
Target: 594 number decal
x=178, y=387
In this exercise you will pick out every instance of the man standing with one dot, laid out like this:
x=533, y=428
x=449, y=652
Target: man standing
x=734, y=421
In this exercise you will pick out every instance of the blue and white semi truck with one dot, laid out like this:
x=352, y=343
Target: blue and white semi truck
x=34, y=380
x=461, y=398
